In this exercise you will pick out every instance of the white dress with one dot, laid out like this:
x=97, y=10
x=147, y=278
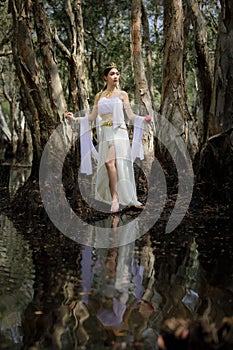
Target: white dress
x=111, y=109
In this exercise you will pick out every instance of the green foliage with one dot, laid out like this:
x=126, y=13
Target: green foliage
x=5, y=108
x=107, y=38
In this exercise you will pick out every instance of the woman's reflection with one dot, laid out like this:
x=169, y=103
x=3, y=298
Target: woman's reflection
x=113, y=288
x=107, y=295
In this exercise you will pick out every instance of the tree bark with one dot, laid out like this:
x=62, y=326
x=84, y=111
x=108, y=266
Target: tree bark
x=4, y=127
x=146, y=31
x=173, y=104
x=55, y=91
x=33, y=102
x=220, y=118
x=75, y=57
x=142, y=95
x=215, y=169
x=204, y=73
x=173, y=95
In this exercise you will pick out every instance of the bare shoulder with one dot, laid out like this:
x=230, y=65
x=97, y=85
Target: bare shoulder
x=97, y=97
x=123, y=95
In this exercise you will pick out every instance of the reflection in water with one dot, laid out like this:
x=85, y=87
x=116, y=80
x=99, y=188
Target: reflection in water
x=94, y=301
x=17, y=278
x=113, y=289
x=18, y=176
x=114, y=298
x=195, y=276
x=177, y=280
x=215, y=282
x=191, y=296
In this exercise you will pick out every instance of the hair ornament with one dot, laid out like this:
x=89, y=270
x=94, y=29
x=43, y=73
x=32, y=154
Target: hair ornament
x=111, y=65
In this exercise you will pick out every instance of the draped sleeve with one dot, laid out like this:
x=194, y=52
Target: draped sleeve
x=137, y=148
x=86, y=147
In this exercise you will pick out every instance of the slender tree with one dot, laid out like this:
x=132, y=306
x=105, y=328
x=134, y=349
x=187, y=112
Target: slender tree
x=142, y=93
x=203, y=67
x=49, y=64
x=74, y=53
x=173, y=93
x=148, y=51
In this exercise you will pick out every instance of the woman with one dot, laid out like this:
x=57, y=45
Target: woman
x=115, y=183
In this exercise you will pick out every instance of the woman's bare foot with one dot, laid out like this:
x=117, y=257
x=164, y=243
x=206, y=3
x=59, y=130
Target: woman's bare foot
x=115, y=206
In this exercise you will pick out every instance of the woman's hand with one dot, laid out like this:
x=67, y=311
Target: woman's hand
x=69, y=115
x=148, y=119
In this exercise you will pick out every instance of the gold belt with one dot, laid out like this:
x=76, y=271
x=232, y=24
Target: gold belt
x=108, y=122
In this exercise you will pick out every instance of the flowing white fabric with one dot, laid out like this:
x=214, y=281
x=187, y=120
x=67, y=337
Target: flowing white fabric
x=86, y=147
x=117, y=135
x=137, y=148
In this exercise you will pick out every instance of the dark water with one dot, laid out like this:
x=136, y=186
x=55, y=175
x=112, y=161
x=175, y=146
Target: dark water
x=58, y=294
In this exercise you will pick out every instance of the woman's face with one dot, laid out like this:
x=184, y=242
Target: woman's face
x=113, y=77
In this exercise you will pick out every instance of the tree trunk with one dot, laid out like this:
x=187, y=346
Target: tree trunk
x=220, y=118
x=141, y=86
x=79, y=57
x=18, y=148
x=204, y=73
x=24, y=144
x=173, y=96
x=147, y=42
x=4, y=128
x=42, y=115
x=215, y=170
x=33, y=102
x=75, y=57
x=142, y=95
x=55, y=91
x=173, y=105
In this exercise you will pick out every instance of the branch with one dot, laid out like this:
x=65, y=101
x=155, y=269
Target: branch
x=5, y=53
x=99, y=42
x=70, y=14
x=61, y=46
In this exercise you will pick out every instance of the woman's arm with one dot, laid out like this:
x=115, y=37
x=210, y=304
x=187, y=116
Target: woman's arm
x=92, y=116
x=128, y=108
x=94, y=111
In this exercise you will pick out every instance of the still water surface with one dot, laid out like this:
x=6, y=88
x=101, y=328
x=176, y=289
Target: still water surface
x=58, y=294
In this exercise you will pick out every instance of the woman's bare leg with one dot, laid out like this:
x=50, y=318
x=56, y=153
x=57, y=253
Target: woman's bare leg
x=110, y=164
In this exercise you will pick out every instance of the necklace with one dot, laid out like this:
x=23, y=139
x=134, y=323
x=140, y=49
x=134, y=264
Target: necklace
x=108, y=93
